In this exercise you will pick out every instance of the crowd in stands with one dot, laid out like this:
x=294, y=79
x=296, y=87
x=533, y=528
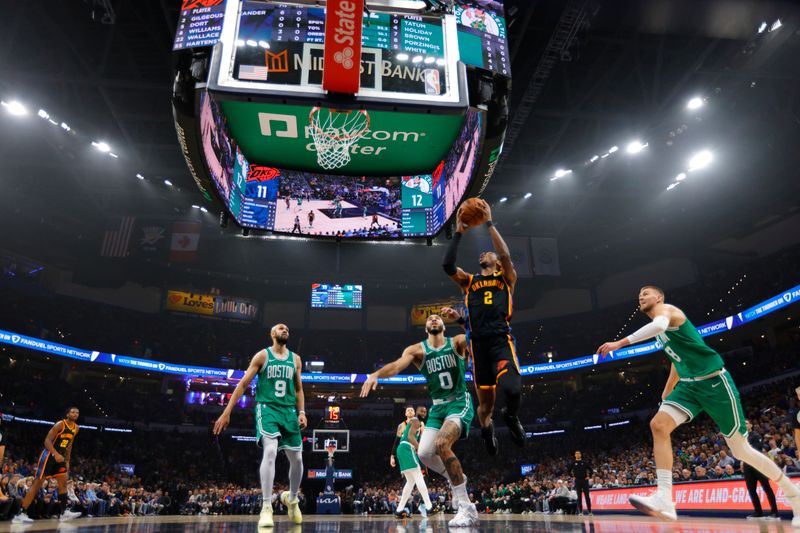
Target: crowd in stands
x=183, y=469
x=190, y=472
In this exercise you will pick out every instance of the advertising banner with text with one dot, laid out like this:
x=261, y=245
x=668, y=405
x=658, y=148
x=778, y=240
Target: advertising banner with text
x=720, y=495
x=211, y=305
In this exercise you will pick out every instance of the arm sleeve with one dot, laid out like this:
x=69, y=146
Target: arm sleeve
x=394, y=446
x=648, y=331
x=449, y=261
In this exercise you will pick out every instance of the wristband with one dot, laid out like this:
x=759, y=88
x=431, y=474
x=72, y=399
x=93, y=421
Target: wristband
x=301, y=413
x=461, y=321
x=489, y=224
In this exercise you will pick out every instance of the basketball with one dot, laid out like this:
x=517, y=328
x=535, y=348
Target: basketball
x=473, y=212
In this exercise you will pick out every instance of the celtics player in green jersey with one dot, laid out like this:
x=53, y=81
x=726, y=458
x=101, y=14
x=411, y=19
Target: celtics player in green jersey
x=280, y=417
x=697, y=382
x=408, y=462
x=441, y=360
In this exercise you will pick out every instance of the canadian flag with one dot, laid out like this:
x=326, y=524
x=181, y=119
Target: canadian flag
x=185, y=238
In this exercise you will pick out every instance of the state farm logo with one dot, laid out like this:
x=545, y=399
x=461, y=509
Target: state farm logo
x=175, y=298
x=344, y=58
x=344, y=31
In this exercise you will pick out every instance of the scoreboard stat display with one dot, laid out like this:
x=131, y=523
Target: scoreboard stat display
x=325, y=296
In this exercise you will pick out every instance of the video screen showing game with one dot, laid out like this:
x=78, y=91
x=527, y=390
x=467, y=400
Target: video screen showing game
x=338, y=206
x=216, y=145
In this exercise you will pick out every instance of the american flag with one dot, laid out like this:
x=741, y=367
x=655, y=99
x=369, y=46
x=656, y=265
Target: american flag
x=116, y=241
x=253, y=72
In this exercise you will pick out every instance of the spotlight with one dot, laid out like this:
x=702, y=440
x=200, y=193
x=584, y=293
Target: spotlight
x=112, y=154
x=613, y=149
x=168, y=183
x=635, y=147
x=441, y=62
x=102, y=146
x=594, y=158
x=15, y=108
x=263, y=44
x=560, y=173
x=251, y=42
x=195, y=206
x=700, y=160
x=65, y=126
x=203, y=209
x=528, y=195
x=139, y=176
x=775, y=25
x=604, y=155
x=672, y=186
x=239, y=42
x=416, y=59
x=681, y=176
x=429, y=60
x=401, y=57
x=762, y=27
x=44, y=114
x=695, y=103
x=503, y=199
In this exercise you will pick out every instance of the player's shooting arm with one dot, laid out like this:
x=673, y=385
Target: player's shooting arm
x=672, y=380
x=412, y=433
x=298, y=388
x=503, y=254
x=458, y=276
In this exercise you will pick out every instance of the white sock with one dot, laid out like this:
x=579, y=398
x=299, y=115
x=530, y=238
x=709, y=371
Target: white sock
x=460, y=493
x=790, y=490
x=422, y=487
x=407, y=489
x=267, y=469
x=664, y=478
x=295, y=472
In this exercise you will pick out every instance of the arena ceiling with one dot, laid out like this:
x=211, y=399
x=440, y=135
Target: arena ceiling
x=587, y=75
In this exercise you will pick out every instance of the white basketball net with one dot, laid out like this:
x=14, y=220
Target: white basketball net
x=334, y=132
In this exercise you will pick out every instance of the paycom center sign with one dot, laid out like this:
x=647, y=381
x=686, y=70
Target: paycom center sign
x=395, y=144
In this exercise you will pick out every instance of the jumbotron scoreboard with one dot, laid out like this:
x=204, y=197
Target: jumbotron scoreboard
x=433, y=88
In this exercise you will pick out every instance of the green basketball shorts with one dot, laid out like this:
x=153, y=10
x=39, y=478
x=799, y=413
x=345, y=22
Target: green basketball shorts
x=407, y=456
x=716, y=396
x=459, y=409
x=278, y=423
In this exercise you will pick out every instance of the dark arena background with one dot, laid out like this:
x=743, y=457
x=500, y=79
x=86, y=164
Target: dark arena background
x=190, y=188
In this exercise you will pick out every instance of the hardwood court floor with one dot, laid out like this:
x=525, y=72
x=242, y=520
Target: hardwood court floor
x=380, y=524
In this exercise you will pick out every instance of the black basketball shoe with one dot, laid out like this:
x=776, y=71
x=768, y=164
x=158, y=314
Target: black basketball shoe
x=515, y=428
x=489, y=440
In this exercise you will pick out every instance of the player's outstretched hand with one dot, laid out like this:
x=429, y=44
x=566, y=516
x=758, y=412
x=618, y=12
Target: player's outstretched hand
x=222, y=423
x=607, y=347
x=449, y=313
x=369, y=385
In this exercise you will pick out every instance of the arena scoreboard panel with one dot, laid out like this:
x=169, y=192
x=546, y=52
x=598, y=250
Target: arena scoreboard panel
x=423, y=148
x=325, y=296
